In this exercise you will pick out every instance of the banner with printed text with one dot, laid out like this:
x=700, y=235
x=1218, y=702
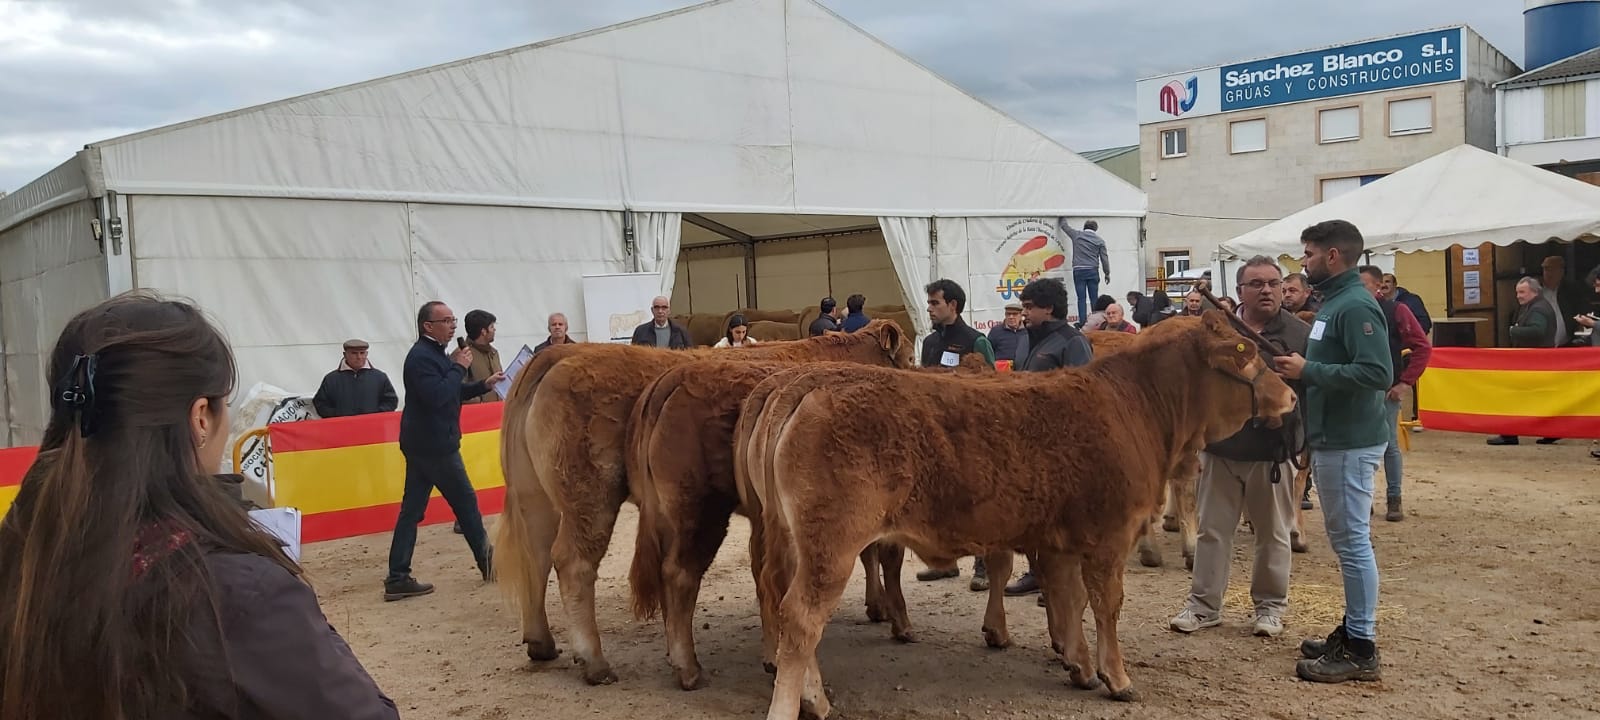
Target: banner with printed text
x=1003, y=255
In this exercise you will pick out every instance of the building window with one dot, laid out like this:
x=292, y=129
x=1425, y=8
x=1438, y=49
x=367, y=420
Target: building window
x=1411, y=116
x=1339, y=124
x=1331, y=188
x=1248, y=135
x=1175, y=143
x=1174, y=262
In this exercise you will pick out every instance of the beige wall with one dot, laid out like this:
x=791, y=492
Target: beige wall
x=1485, y=67
x=1285, y=178
x=1423, y=273
x=793, y=274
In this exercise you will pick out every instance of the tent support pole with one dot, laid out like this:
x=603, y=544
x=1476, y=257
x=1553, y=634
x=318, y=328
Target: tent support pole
x=933, y=249
x=629, y=246
x=750, y=275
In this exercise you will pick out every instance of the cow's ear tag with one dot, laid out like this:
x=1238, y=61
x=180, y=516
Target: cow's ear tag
x=1239, y=347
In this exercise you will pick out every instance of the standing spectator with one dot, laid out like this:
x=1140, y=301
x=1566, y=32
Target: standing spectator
x=828, y=321
x=355, y=387
x=1088, y=255
x=1560, y=294
x=950, y=339
x=1393, y=291
x=1114, y=321
x=1052, y=343
x=1010, y=338
x=661, y=331
x=737, y=334
x=1346, y=371
x=1405, y=333
x=1238, y=474
x=485, y=358
x=1193, y=304
x=1533, y=326
x=1298, y=294
x=430, y=440
x=857, y=318
x=557, y=325
x=131, y=585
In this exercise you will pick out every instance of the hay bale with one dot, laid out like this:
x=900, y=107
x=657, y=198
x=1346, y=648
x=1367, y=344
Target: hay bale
x=808, y=316
x=705, y=328
x=769, y=330
x=754, y=314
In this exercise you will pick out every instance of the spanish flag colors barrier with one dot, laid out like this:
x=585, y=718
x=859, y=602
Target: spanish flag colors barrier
x=346, y=475
x=1534, y=392
x=14, y=463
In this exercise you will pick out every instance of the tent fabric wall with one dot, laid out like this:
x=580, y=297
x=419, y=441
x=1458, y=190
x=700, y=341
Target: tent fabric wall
x=795, y=111
x=710, y=280
x=910, y=250
x=290, y=280
x=657, y=238
x=50, y=269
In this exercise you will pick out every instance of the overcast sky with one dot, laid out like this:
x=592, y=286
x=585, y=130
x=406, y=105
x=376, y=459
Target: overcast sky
x=78, y=71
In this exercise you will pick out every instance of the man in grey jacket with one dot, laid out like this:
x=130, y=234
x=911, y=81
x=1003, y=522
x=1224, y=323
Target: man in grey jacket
x=1088, y=256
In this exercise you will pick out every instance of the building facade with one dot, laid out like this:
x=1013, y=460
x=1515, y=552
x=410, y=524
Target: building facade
x=1226, y=149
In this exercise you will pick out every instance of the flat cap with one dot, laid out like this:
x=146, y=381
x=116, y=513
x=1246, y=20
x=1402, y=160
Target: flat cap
x=355, y=344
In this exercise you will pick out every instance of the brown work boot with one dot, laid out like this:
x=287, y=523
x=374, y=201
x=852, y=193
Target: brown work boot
x=1394, y=514
x=931, y=574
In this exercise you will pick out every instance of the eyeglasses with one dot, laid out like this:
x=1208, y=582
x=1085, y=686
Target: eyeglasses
x=1257, y=285
x=446, y=319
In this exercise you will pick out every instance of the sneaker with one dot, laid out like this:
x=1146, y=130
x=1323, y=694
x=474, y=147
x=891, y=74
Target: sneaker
x=1305, y=504
x=1394, y=514
x=980, y=576
x=1269, y=626
x=1025, y=585
x=1313, y=649
x=402, y=589
x=1188, y=621
x=931, y=574
x=1353, y=660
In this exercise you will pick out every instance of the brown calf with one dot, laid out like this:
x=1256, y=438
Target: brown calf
x=561, y=449
x=1078, y=502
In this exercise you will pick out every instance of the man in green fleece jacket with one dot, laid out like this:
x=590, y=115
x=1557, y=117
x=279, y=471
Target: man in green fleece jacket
x=1346, y=371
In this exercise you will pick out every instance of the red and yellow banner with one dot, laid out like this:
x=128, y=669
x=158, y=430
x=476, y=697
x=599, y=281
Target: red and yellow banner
x=1534, y=392
x=346, y=475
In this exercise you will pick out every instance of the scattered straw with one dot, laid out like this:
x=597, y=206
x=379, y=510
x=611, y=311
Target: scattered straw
x=1310, y=604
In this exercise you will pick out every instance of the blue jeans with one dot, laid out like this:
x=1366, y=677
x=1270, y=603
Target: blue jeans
x=1344, y=483
x=1391, y=453
x=1086, y=283
x=423, y=474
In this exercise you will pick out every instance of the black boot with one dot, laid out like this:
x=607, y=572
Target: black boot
x=1354, y=659
x=980, y=575
x=486, y=565
x=1025, y=585
x=405, y=588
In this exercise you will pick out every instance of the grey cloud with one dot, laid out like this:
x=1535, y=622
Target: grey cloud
x=1065, y=68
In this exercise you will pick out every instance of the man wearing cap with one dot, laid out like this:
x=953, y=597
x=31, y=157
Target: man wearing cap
x=828, y=321
x=355, y=387
x=1010, y=338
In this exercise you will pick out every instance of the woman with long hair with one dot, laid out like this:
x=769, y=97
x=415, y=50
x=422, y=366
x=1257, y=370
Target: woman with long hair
x=131, y=586
x=737, y=334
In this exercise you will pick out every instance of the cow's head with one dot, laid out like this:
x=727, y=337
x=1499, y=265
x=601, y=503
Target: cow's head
x=893, y=340
x=1244, y=385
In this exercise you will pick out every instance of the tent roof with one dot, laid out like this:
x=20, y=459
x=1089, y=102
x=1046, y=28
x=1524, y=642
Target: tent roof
x=730, y=106
x=1463, y=196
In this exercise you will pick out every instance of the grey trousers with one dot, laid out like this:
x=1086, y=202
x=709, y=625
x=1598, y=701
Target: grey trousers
x=1226, y=488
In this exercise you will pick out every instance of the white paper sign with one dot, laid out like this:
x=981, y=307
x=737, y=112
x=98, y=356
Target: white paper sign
x=503, y=388
x=1469, y=279
x=1469, y=257
x=1317, y=328
x=1471, y=296
x=284, y=524
x=615, y=304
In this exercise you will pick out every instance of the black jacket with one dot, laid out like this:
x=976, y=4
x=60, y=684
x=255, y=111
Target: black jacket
x=541, y=346
x=1056, y=345
x=1008, y=344
x=824, y=323
x=957, y=337
x=430, y=424
x=1409, y=299
x=1264, y=444
x=677, y=337
x=1534, y=325
x=347, y=392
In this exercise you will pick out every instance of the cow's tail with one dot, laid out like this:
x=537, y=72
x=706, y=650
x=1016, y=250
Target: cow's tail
x=514, y=555
x=645, y=574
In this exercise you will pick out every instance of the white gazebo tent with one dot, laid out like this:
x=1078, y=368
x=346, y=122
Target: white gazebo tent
x=500, y=180
x=1463, y=196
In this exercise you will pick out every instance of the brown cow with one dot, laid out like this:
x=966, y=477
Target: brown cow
x=1078, y=500
x=684, y=484
x=561, y=449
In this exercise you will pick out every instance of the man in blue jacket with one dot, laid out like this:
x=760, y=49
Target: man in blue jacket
x=430, y=440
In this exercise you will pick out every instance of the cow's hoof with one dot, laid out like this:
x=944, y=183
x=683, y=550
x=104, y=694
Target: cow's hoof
x=1188, y=562
x=1299, y=546
x=997, y=640
x=543, y=651
x=694, y=681
x=1148, y=557
x=876, y=614
x=770, y=667
x=1169, y=524
x=1082, y=680
x=905, y=635
x=599, y=674
x=1127, y=694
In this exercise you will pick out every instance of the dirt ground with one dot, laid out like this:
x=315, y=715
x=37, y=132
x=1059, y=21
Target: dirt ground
x=1490, y=594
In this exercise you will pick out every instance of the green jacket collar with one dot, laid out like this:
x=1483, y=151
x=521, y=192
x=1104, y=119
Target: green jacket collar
x=1340, y=283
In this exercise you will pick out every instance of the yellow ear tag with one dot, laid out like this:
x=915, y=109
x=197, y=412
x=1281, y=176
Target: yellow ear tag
x=1239, y=347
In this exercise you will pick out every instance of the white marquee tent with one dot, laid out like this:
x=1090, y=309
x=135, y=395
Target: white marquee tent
x=1463, y=196
x=498, y=181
